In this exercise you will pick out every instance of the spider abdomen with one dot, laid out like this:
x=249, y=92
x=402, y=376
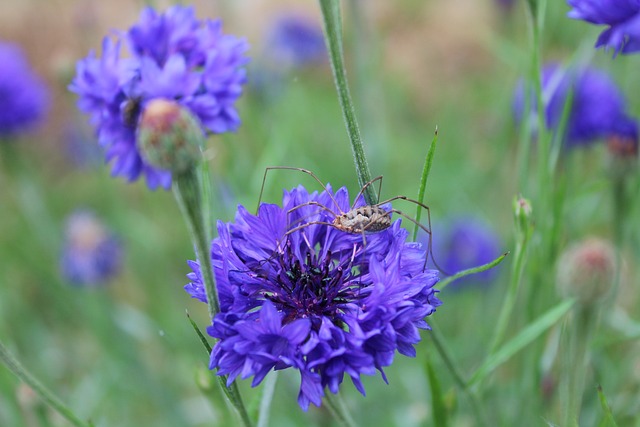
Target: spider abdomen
x=368, y=219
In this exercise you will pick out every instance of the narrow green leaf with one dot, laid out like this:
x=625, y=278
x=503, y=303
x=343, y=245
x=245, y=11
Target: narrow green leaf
x=443, y=283
x=203, y=339
x=428, y=161
x=521, y=340
x=437, y=401
x=608, y=415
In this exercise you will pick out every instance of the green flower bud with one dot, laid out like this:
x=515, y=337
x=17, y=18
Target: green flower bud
x=587, y=270
x=169, y=137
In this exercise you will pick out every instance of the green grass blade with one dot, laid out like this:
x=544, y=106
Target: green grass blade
x=428, y=161
x=437, y=401
x=203, y=339
x=521, y=340
x=443, y=283
x=608, y=419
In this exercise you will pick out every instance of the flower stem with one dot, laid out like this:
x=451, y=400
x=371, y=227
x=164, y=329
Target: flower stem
x=188, y=188
x=333, y=37
x=457, y=375
x=579, y=329
x=46, y=395
x=339, y=410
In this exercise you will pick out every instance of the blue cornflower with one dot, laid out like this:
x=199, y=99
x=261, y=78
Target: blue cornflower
x=621, y=16
x=316, y=300
x=597, y=105
x=295, y=41
x=464, y=243
x=174, y=56
x=24, y=98
x=92, y=254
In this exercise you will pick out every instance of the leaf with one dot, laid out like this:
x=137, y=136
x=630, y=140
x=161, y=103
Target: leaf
x=521, y=340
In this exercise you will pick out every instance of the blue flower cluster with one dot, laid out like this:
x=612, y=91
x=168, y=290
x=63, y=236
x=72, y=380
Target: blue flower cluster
x=316, y=299
x=295, y=41
x=172, y=55
x=24, y=98
x=597, y=110
x=621, y=16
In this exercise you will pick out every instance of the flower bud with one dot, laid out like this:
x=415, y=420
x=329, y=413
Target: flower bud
x=522, y=212
x=587, y=270
x=169, y=137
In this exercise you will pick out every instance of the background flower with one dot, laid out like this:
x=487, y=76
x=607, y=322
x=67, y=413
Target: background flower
x=91, y=254
x=294, y=40
x=173, y=56
x=597, y=106
x=24, y=98
x=621, y=16
x=316, y=300
x=464, y=243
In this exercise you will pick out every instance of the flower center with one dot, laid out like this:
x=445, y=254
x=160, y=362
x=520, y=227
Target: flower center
x=317, y=287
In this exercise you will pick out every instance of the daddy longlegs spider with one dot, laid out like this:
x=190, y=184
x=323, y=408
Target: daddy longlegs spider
x=363, y=219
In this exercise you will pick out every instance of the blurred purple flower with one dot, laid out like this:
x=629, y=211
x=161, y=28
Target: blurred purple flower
x=621, y=16
x=91, y=254
x=295, y=41
x=173, y=56
x=315, y=300
x=24, y=98
x=465, y=243
x=597, y=107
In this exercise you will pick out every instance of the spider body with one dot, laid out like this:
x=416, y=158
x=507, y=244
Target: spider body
x=369, y=219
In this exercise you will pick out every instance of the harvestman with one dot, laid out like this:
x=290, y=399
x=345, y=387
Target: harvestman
x=363, y=219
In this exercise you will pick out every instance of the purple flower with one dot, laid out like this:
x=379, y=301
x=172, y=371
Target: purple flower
x=621, y=16
x=597, y=105
x=465, y=243
x=24, y=98
x=91, y=254
x=317, y=299
x=295, y=41
x=172, y=55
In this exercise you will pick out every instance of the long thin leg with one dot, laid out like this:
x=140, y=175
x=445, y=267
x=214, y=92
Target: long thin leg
x=308, y=172
x=364, y=187
x=430, y=244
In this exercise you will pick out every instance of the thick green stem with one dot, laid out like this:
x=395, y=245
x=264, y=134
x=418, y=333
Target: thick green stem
x=47, y=396
x=333, y=37
x=188, y=190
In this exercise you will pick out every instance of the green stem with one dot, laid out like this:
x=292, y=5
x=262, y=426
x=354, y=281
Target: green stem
x=575, y=358
x=46, y=395
x=457, y=375
x=188, y=190
x=339, y=410
x=333, y=37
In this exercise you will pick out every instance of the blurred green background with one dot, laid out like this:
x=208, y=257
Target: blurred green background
x=125, y=355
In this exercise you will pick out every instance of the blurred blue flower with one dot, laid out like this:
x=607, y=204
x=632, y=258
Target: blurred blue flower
x=597, y=105
x=172, y=55
x=316, y=300
x=295, y=41
x=464, y=243
x=91, y=254
x=621, y=16
x=24, y=98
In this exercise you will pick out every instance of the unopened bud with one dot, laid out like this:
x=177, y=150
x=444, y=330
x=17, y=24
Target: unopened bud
x=587, y=270
x=169, y=137
x=522, y=212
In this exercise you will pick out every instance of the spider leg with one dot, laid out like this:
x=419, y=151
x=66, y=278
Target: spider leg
x=308, y=172
x=364, y=187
